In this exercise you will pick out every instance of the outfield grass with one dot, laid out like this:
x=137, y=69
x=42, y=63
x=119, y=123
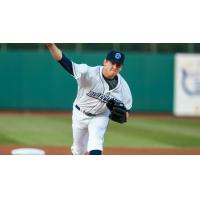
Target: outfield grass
x=56, y=131
x=35, y=130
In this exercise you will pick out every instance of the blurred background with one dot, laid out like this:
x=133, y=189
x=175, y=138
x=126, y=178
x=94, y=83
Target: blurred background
x=31, y=80
x=128, y=47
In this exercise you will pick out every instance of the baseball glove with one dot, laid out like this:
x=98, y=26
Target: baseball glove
x=117, y=111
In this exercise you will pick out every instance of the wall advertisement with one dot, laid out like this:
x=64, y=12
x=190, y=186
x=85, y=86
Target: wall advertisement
x=187, y=85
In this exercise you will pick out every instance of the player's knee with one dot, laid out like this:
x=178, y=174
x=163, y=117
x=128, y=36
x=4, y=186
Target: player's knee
x=95, y=152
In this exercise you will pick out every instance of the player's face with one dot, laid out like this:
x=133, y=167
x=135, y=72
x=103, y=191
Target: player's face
x=111, y=69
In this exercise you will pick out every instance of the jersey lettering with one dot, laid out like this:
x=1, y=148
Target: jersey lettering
x=102, y=97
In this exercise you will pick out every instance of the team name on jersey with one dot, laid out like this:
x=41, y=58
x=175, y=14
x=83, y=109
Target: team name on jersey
x=102, y=97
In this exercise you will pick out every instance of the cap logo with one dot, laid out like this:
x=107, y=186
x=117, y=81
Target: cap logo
x=118, y=56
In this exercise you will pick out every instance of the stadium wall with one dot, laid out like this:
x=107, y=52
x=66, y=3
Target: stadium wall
x=34, y=81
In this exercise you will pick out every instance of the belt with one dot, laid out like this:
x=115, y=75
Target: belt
x=86, y=113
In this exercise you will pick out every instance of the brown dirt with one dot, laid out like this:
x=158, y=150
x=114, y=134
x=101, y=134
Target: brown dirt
x=6, y=150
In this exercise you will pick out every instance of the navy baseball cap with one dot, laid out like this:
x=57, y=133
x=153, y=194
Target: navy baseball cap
x=116, y=57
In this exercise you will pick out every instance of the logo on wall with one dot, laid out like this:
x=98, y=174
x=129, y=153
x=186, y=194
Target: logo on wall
x=191, y=80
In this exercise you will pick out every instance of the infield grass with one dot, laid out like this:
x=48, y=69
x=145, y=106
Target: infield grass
x=50, y=130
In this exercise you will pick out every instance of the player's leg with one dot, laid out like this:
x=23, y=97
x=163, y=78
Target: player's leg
x=80, y=140
x=80, y=133
x=97, y=129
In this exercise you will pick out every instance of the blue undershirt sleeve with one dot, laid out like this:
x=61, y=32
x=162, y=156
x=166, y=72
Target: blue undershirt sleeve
x=67, y=64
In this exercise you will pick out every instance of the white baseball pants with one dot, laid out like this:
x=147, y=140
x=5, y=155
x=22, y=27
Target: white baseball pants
x=88, y=132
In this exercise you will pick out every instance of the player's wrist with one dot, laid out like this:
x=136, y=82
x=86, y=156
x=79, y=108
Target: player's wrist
x=49, y=44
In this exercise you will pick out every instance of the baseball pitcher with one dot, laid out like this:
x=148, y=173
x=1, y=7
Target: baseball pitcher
x=102, y=94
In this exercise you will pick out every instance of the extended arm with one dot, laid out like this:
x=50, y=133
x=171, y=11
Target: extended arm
x=55, y=51
x=60, y=57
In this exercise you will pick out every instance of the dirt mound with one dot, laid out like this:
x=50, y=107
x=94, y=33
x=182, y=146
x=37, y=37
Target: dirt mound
x=6, y=150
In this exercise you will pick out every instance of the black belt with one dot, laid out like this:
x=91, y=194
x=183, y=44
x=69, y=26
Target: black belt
x=86, y=113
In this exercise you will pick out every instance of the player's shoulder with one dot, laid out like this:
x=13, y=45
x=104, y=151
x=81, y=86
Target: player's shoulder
x=122, y=80
x=123, y=83
x=83, y=68
x=126, y=92
x=96, y=69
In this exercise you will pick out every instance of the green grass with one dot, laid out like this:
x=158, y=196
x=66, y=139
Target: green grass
x=156, y=133
x=56, y=131
x=35, y=130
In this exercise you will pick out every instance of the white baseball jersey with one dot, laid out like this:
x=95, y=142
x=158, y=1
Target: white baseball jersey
x=93, y=90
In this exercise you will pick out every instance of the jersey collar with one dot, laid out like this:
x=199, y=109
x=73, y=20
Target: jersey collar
x=104, y=81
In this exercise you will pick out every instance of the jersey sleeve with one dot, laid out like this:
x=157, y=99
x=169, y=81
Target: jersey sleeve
x=67, y=64
x=79, y=70
x=127, y=96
